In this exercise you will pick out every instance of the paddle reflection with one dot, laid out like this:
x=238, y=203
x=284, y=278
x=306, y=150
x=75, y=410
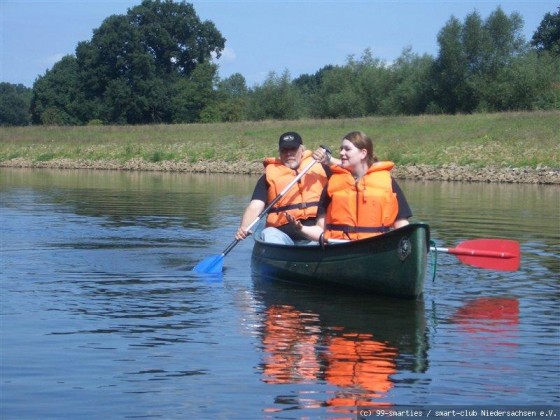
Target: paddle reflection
x=491, y=314
x=493, y=320
x=488, y=329
x=353, y=345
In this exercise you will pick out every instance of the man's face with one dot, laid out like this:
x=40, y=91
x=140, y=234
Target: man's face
x=291, y=157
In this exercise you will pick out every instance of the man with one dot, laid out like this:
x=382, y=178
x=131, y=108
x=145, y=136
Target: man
x=300, y=201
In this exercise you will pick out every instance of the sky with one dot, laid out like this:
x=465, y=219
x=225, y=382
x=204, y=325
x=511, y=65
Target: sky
x=262, y=36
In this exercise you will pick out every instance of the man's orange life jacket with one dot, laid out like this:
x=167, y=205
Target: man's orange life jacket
x=302, y=199
x=361, y=209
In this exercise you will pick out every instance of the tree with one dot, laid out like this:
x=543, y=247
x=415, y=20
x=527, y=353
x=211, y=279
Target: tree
x=174, y=36
x=57, y=99
x=14, y=104
x=408, y=79
x=232, y=96
x=547, y=35
x=505, y=40
x=450, y=68
x=156, y=42
x=309, y=87
x=277, y=99
x=470, y=71
x=194, y=96
x=127, y=71
x=529, y=80
x=373, y=81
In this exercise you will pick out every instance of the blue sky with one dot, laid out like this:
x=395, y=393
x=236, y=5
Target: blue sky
x=262, y=35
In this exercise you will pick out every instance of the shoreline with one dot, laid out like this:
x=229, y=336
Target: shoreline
x=540, y=175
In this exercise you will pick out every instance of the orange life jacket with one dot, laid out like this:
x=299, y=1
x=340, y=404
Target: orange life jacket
x=289, y=343
x=302, y=199
x=361, y=209
x=358, y=361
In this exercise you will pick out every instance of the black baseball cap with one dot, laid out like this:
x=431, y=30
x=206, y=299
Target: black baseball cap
x=290, y=140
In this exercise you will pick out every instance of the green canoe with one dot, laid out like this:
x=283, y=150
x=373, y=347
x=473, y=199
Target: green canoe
x=392, y=264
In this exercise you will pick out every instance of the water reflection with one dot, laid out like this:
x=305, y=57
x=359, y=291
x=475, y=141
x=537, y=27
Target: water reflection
x=483, y=347
x=354, y=344
x=156, y=199
x=495, y=315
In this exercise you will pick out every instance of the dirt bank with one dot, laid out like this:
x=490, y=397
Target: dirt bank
x=541, y=175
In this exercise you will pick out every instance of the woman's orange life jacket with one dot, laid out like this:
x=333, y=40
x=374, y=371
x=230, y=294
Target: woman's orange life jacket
x=358, y=360
x=364, y=208
x=302, y=199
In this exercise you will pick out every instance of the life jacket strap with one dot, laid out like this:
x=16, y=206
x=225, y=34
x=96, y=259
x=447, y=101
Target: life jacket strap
x=347, y=229
x=294, y=206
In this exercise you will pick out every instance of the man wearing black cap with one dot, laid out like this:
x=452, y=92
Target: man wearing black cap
x=300, y=201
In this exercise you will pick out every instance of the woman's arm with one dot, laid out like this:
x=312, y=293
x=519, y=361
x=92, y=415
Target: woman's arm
x=400, y=223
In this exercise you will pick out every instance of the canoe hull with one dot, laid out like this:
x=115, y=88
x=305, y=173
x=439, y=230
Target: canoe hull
x=393, y=264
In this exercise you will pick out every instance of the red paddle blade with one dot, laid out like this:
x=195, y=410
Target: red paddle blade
x=495, y=254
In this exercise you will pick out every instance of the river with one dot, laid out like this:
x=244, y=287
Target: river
x=103, y=318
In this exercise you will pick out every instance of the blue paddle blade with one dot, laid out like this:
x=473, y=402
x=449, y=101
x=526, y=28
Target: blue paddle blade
x=210, y=265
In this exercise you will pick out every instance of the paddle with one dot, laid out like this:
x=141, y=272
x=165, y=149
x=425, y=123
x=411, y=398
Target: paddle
x=214, y=264
x=494, y=254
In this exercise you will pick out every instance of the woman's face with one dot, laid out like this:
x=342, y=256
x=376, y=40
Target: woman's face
x=350, y=155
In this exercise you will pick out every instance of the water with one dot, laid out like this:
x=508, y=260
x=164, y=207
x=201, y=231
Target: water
x=102, y=317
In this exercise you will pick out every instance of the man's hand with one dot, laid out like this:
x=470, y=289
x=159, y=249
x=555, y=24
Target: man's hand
x=242, y=234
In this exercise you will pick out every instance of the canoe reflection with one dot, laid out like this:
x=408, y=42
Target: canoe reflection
x=355, y=343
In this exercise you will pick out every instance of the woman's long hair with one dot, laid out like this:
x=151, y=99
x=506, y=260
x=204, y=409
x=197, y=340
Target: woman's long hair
x=362, y=141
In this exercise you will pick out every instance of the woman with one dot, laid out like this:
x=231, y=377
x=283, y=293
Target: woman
x=360, y=199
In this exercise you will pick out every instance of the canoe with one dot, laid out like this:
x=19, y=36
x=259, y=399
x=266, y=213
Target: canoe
x=393, y=264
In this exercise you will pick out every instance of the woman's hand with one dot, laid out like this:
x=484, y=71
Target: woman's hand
x=313, y=233
x=321, y=156
x=293, y=221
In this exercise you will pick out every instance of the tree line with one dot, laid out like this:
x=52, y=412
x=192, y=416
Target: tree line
x=155, y=64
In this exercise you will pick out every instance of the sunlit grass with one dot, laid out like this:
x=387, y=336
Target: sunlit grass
x=480, y=140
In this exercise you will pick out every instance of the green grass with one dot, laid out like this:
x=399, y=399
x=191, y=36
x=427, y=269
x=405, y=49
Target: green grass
x=479, y=140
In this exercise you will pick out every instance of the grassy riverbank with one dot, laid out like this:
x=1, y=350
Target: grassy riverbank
x=507, y=140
